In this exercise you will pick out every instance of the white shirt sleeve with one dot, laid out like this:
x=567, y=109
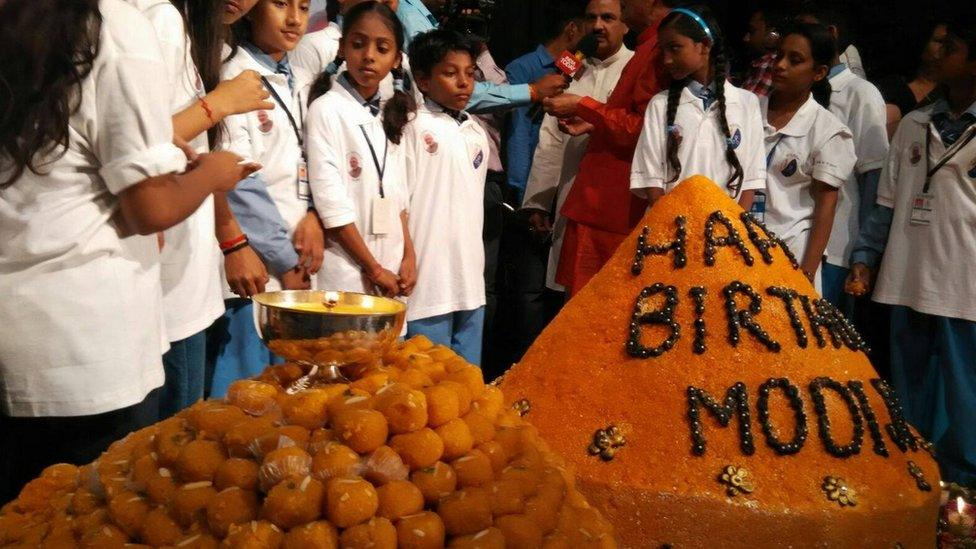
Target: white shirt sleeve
x=834, y=162
x=649, y=168
x=329, y=191
x=173, y=42
x=547, y=166
x=752, y=151
x=314, y=52
x=134, y=138
x=868, y=124
x=888, y=182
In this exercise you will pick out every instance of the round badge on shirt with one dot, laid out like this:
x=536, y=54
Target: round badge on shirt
x=789, y=168
x=265, y=123
x=736, y=139
x=916, y=155
x=355, y=165
x=479, y=159
x=430, y=144
x=972, y=170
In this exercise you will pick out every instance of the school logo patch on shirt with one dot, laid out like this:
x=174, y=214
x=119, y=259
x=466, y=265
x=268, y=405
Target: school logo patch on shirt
x=430, y=144
x=916, y=155
x=479, y=159
x=675, y=130
x=972, y=170
x=736, y=139
x=355, y=165
x=789, y=168
x=265, y=123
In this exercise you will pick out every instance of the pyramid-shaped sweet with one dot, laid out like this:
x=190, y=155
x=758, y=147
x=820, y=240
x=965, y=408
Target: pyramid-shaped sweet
x=709, y=398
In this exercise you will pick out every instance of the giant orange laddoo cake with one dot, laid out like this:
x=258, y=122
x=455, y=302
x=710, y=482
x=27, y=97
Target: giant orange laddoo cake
x=416, y=452
x=708, y=398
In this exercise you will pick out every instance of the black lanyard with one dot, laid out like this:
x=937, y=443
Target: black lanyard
x=951, y=152
x=376, y=161
x=281, y=103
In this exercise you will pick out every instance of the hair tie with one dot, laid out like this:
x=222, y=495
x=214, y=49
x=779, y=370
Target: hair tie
x=672, y=128
x=697, y=19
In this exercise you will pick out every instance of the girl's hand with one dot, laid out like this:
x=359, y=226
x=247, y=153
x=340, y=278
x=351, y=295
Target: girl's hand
x=387, y=282
x=242, y=94
x=225, y=169
x=575, y=126
x=296, y=279
x=246, y=273
x=408, y=275
x=859, y=280
x=309, y=240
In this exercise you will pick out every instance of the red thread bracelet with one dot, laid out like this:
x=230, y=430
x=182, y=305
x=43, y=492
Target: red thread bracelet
x=228, y=244
x=208, y=110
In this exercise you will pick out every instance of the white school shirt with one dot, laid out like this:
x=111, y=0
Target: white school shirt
x=859, y=105
x=702, y=143
x=190, y=259
x=813, y=145
x=929, y=268
x=81, y=308
x=558, y=156
x=345, y=182
x=267, y=137
x=446, y=168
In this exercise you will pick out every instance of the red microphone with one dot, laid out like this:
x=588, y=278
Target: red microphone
x=571, y=66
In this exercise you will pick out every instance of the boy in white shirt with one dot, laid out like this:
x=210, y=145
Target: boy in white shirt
x=446, y=154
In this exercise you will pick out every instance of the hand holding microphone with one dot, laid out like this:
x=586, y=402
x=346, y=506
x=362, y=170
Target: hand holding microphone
x=570, y=67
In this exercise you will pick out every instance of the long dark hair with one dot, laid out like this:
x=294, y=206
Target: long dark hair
x=822, y=51
x=397, y=111
x=207, y=33
x=686, y=26
x=47, y=48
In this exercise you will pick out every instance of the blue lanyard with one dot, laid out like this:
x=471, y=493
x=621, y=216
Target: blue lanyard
x=376, y=161
x=769, y=157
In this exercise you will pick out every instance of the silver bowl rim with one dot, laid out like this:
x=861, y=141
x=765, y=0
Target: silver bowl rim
x=259, y=299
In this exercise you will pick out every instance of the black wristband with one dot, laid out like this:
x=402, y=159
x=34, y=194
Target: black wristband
x=236, y=247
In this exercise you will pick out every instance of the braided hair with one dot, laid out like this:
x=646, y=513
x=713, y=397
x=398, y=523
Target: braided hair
x=687, y=26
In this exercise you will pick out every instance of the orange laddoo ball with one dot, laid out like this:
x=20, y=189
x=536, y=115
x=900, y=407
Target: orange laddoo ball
x=282, y=375
x=442, y=404
x=253, y=397
x=104, y=537
x=190, y=502
x=463, y=395
x=281, y=437
x=490, y=404
x=384, y=465
x=441, y=353
x=415, y=378
x=360, y=429
x=229, y=507
x=351, y=399
x=481, y=428
x=239, y=472
x=199, y=460
x=471, y=377
x=378, y=533
x=162, y=487
x=144, y=469
x=293, y=502
x=421, y=531
x=169, y=441
x=435, y=482
x=473, y=469
x=319, y=439
x=350, y=501
x=456, y=437
x=496, y=454
x=490, y=538
x=254, y=535
x=284, y=463
x=83, y=501
x=160, y=529
x=399, y=499
x=543, y=512
x=420, y=449
x=128, y=511
x=510, y=439
x=405, y=409
x=505, y=497
x=198, y=541
x=466, y=511
x=241, y=439
x=371, y=382
x=314, y=535
x=307, y=408
x=211, y=419
x=520, y=531
x=335, y=460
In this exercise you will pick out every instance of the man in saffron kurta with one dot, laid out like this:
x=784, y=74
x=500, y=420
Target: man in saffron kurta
x=600, y=209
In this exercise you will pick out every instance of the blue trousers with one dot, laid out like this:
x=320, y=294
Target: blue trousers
x=933, y=370
x=460, y=330
x=234, y=348
x=185, y=365
x=832, y=278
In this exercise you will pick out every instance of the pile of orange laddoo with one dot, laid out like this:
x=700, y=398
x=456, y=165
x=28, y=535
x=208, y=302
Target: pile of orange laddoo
x=417, y=452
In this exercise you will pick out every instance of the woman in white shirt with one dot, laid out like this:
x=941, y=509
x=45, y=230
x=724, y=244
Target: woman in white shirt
x=88, y=175
x=809, y=152
x=702, y=125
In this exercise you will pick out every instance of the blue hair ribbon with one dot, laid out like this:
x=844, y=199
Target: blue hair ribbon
x=697, y=19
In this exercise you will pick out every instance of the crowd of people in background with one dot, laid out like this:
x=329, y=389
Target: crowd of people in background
x=163, y=161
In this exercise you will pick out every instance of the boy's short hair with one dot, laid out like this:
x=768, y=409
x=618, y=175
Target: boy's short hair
x=430, y=48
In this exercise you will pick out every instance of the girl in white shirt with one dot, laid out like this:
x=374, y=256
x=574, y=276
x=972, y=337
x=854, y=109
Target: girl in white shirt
x=356, y=167
x=702, y=125
x=88, y=176
x=809, y=152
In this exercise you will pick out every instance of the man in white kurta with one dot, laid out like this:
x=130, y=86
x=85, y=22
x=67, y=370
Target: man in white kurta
x=558, y=155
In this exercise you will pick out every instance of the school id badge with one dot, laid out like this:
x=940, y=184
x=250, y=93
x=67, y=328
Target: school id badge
x=922, y=209
x=385, y=216
x=304, y=190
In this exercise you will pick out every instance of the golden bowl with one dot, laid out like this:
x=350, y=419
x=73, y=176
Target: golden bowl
x=338, y=333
